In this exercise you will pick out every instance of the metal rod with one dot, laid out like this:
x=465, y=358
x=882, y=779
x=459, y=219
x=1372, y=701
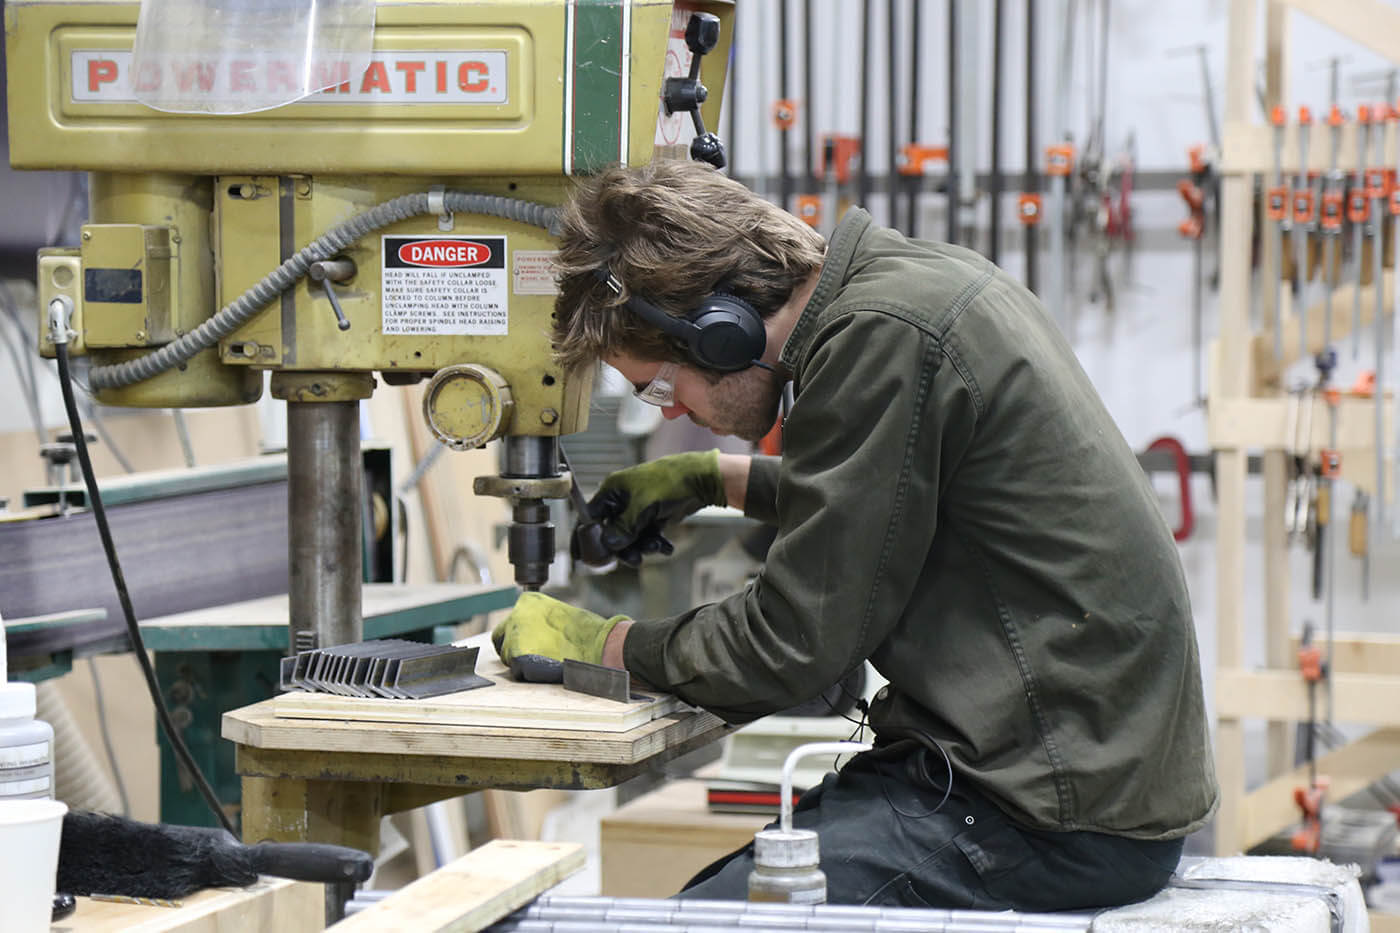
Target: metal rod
x=1378, y=208
x=325, y=483
x=1031, y=230
x=954, y=165
x=731, y=102
x=914, y=183
x=867, y=36
x=784, y=82
x=994, y=189
x=1362, y=151
x=808, y=121
x=892, y=113
x=1302, y=188
x=1060, y=134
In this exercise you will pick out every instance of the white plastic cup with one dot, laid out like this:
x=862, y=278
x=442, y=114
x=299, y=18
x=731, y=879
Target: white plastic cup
x=29, y=835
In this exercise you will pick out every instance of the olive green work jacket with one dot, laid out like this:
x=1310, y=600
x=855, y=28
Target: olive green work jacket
x=955, y=504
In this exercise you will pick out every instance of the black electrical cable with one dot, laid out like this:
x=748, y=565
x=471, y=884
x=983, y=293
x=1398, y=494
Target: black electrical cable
x=138, y=645
x=923, y=737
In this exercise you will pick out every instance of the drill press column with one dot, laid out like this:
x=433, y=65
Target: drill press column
x=325, y=486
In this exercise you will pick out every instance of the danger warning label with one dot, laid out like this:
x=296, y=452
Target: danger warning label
x=450, y=285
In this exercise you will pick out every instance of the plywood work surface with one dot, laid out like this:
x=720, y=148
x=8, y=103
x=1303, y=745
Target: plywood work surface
x=473, y=892
x=506, y=703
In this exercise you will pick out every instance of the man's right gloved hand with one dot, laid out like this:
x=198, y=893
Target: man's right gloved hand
x=635, y=504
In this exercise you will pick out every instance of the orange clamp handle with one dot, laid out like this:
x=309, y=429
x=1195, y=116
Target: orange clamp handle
x=1332, y=211
x=1278, y=117
x=1359, y=206
x=838, y=151
x=784, y=113
x=1363, y=114
x=913, y=158
x=1304, y=116
x=1303, y=206
x=1059, y=160
x=1330, y=462
x=1030, y=208
x=1277, y=203
x=1192, y=227
x=1376, y=183
x=1196, y=156
x=809, y=209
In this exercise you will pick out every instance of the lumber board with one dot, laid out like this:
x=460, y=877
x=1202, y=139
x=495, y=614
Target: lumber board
x=272, y=905
x=473, y=892
x=1249, y=147
x=1351, y=768
x=1230, y=378
x=505, y=703
x=1370, y=23
x=1274, y=695
x=1267, y=423
x=1360, y=653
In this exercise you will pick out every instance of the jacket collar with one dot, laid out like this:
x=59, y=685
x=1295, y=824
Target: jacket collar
x=839, y=251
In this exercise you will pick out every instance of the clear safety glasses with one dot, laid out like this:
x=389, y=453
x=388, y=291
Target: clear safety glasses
x=661, y=391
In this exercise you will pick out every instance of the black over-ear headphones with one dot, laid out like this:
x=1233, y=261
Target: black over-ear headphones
x=722, y=333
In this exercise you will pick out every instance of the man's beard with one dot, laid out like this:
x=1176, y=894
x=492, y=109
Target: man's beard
x=745, y=404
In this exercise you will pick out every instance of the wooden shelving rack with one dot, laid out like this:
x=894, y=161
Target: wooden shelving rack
x=1249, y=411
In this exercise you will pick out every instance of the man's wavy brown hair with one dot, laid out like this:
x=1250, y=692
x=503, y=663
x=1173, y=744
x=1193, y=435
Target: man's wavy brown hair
x=674, y=231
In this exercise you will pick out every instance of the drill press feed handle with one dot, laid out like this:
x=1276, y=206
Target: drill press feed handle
x=682, y=95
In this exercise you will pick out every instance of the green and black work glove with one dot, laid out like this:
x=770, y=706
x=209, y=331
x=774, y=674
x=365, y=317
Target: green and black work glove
x=634, y=505
x=541, y=633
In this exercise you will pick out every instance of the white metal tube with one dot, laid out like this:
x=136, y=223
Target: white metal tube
x=802, y=751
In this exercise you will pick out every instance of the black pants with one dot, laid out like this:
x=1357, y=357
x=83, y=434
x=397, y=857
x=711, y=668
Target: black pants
x=881, y=845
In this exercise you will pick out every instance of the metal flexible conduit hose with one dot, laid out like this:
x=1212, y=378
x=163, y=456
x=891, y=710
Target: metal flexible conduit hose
x=286, y=275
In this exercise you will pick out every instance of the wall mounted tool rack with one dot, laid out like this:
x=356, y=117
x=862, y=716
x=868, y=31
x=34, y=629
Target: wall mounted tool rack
x=1251, y=410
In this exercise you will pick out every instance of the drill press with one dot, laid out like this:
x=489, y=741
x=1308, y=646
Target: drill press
x=394, y=222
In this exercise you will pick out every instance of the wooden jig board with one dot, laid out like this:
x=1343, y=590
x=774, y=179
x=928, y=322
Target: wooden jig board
x=506, y=703
x=473, y=892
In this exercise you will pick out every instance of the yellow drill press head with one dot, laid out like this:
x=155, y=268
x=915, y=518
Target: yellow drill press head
x=395, y=222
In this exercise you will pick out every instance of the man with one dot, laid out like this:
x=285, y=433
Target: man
x=953, y=503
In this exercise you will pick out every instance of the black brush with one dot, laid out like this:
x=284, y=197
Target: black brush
x=103, y=854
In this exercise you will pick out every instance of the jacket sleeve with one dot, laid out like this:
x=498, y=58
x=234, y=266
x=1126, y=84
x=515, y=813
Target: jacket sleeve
x=881, y=420
x=761, y=494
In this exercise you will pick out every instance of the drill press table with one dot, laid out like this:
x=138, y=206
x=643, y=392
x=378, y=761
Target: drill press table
x=331, y=779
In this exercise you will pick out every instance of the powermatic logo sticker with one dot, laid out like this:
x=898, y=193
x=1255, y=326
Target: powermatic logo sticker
x=421, y=77
x=444, y=285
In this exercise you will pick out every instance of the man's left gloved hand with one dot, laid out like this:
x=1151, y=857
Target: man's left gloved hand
x=635, y=504
x=541, y=633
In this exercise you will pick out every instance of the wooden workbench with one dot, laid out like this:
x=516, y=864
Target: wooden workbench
x=272, y=905
x=328, y=780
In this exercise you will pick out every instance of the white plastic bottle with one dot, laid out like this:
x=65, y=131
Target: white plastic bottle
x=26, y=743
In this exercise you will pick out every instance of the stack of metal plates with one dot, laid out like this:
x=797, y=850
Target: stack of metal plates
x=388, y=668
